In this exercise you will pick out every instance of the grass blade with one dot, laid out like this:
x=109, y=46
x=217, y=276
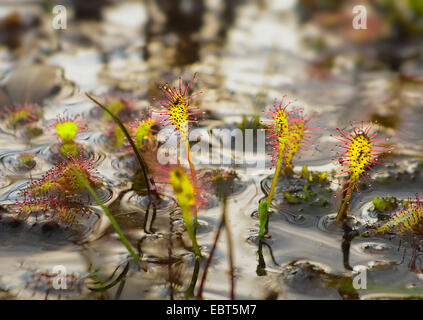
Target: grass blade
x=140, y=158
x=113, y=222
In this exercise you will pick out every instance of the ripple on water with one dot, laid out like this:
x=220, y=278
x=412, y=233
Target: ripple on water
x=299, y=219
x=328, y=223
x=14, y=164
x=132, y=199
x=102, y=140
x=52, y=154
x=104, y=193
x=4, y=181
x=46, y=230
x=315, y=279
x=125, y=166
x=13, y=192
x=375, y=247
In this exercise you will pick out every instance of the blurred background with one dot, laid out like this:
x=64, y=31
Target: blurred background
x=246, y=52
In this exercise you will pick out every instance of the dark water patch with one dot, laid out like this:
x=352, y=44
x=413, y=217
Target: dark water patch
x=19, y=162
x=16, y=22
x=376, y=248
x=316, y=280
x=166, y=203
x=328, y=224
x=125, y=165
x=183, y=19
x=89, y=10
x=47, y=234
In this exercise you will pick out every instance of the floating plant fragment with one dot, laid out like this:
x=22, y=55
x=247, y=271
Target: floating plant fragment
x=25, y=162
x=387, y=203
x=310, y=181
x=358, y=153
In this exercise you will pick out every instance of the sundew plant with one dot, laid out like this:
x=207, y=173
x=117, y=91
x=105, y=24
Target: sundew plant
x=21, y=114
x=409, y=218
x=179, y=113
x=142, y=129
x=289, y=131
x=359, y=151
x=66, y=128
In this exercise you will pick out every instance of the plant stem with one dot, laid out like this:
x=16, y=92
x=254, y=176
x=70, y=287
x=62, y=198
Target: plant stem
x=223, y=223
x=191, y=233
x=275, y=179
x=345, y=205
x=170, y=253
x=265, y=205
x=189, y=293
x=261, y=266
x=113, y=222
x=193, y=176
x=230, y=250
x=209, y=259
